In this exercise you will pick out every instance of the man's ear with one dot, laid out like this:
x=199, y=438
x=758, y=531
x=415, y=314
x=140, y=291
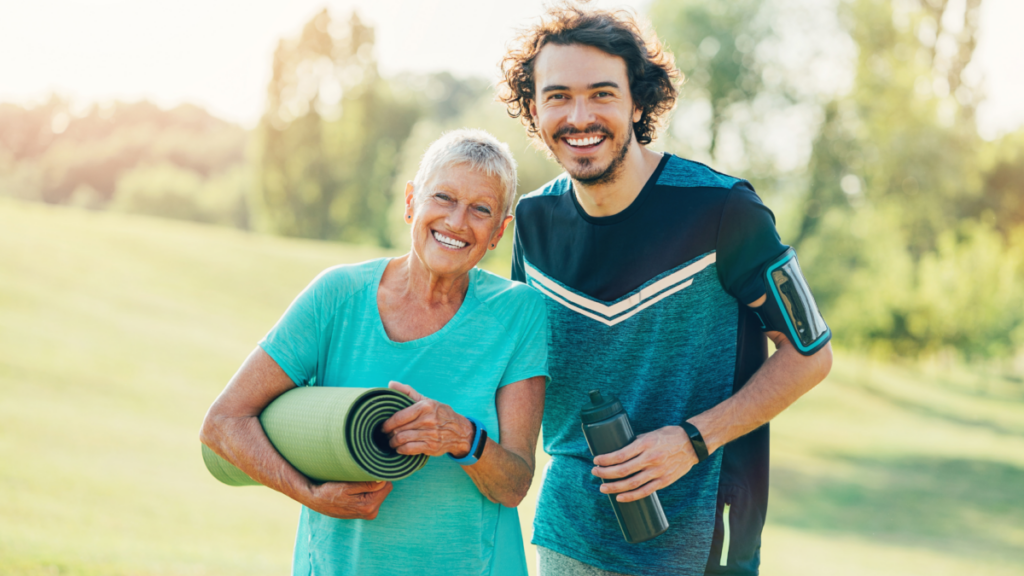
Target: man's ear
x=533, y=112
x=409, y=189
x=638, y=113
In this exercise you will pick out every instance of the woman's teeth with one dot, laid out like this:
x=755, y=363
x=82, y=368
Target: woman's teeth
x=584, y=141
x=452, y=242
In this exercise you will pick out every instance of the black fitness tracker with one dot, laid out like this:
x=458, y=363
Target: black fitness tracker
x=699, y=447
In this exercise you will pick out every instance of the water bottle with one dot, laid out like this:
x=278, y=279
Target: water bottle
x=606, y=428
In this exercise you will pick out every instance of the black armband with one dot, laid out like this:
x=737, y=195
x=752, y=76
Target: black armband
x=789, y=306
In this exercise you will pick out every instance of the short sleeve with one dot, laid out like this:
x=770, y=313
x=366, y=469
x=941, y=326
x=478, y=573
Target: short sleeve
x=294, y=342
x=747, y=241
x=529, y=327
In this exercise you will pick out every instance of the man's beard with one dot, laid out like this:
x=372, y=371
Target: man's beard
x=584, y=171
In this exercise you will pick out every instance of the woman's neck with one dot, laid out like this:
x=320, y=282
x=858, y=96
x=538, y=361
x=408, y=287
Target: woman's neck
x=413, y=303
x=408, y=276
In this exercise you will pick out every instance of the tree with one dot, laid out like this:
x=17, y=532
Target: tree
x=714, y=44
x=329, y=140
x=903, y=132
x=910, y=227
x=50, y=151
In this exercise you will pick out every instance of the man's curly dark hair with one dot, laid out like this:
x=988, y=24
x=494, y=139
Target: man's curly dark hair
x=651, y=69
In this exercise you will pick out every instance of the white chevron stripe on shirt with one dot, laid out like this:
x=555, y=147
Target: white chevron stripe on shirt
x=609, y=314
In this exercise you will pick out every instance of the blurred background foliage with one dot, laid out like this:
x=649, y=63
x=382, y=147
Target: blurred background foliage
x=854, y=119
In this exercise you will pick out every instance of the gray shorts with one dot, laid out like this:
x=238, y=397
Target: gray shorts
x=551, y=563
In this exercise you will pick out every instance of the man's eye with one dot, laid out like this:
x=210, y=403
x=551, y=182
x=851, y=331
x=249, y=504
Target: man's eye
x=557, y=97
x=443, y=197
x=484, y=210
x=604, y=94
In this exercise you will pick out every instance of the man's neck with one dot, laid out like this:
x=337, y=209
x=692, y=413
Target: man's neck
x=610, y=198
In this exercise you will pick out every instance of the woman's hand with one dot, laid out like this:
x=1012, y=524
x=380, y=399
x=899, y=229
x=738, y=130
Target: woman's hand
x=504, y=471
x=428, y=427
x=348, y=500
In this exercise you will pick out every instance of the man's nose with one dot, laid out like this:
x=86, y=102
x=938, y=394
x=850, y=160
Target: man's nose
x=580, y=116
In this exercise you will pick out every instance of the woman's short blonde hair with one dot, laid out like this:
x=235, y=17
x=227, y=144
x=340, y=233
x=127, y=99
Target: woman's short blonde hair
x=480, y=151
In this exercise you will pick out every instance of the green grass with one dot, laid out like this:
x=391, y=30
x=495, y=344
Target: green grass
x=116, y=332
x=890, y=470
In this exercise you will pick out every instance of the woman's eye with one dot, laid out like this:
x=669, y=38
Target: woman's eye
x=483, y=210
x=443, y=197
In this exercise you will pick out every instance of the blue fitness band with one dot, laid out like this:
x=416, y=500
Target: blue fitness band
x=476, y=450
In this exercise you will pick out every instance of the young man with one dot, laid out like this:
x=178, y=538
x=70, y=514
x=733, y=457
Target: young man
x=662, y=278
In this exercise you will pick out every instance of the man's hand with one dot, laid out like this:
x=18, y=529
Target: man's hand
x=658, y=459
x=348, y=500
x=427, y=427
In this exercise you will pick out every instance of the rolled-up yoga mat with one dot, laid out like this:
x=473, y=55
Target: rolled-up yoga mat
x=329, y=434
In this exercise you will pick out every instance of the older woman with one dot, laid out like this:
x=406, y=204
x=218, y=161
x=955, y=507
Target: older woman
x=469, y=347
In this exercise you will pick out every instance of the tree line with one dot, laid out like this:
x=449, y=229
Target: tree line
x=854, y=119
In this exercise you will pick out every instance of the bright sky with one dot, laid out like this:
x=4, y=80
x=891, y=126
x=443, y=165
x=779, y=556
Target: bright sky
x=218, y=53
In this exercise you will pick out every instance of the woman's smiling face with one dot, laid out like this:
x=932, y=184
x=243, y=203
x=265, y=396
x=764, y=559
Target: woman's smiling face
x=455, y=219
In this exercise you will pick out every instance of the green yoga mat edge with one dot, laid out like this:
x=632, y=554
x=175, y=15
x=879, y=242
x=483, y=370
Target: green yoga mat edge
x=308, y=427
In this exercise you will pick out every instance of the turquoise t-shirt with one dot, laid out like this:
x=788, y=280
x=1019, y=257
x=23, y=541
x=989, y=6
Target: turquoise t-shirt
x=435, y=521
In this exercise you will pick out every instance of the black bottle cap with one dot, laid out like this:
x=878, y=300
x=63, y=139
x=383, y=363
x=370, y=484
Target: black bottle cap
x=600, y=408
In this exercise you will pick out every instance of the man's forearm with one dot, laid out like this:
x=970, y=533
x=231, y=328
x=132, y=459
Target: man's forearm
x=784, y=377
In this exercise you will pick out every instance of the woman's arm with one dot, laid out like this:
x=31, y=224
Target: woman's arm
x=232, y=429
x=504, y=471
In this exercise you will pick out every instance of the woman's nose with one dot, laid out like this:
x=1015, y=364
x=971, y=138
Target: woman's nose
x=456, y=219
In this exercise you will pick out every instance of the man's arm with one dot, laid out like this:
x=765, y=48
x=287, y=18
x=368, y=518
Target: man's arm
x=663, y=456
x=232, y=429
x=504, y=471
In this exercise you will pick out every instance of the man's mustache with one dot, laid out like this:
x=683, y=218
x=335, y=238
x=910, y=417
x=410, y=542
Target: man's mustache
x=569, y=130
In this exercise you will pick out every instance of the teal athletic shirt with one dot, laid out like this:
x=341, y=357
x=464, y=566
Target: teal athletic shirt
x=650, y=305
x=435, y=521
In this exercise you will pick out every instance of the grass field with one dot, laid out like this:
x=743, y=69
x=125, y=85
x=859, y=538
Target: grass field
x=116, y=333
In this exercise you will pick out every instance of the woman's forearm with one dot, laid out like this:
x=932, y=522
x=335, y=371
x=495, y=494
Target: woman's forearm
x=502, y=476
x=232, y=429
x=504, y=472
x=242, y=442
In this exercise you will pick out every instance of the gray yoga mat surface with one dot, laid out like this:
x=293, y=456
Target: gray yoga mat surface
x=330, y=435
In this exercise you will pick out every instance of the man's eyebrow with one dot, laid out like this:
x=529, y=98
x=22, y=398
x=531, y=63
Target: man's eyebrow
x=594, y=86
x=553, y=88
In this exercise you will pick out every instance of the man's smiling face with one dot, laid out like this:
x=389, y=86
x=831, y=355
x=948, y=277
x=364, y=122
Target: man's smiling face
x=583, y=110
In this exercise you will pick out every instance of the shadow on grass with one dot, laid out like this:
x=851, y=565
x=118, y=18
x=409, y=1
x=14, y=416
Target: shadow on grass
x=966, y=507
x=933, y=412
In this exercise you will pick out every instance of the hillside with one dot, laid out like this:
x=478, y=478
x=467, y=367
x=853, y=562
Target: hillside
x=116, y=332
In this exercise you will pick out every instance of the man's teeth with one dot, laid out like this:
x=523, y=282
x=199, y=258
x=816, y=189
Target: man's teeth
x=448, y=241
x=584, y=141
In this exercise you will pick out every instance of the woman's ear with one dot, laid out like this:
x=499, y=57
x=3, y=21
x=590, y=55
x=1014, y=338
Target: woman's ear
x=409, y=196
x=501, y=232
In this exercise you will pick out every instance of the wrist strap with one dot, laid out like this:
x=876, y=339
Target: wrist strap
x=699, y=447
x=475, y=449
